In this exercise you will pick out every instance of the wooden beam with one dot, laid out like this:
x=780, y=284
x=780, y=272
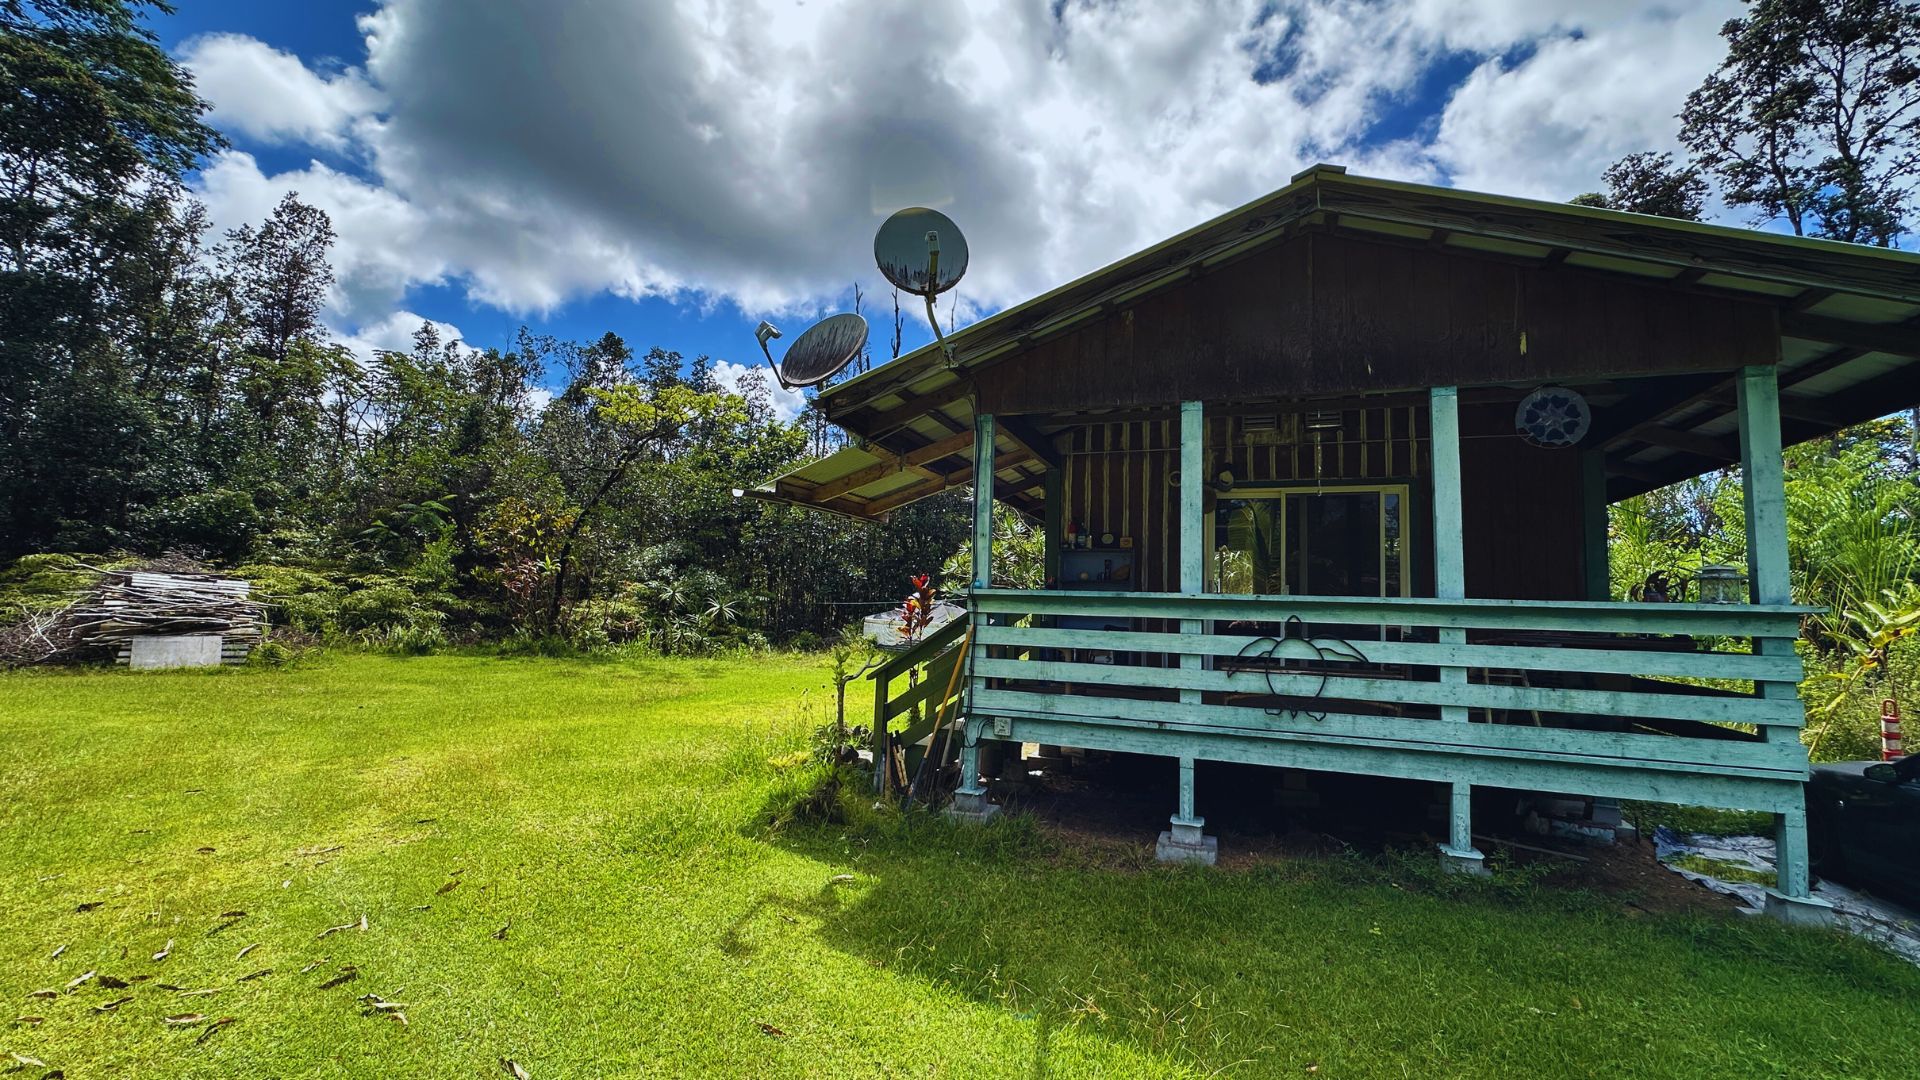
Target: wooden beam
x=887, y=419
x=1692, y=442
x=911, y=461
x=1900, y=339
x=1020, y=431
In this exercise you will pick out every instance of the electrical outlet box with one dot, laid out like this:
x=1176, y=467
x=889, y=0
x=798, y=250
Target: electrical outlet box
x=1002, y=727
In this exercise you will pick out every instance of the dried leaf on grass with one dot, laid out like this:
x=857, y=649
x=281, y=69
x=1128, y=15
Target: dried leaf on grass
x=113, y=983
x=447, y=888
x=25, y=1062
x=168, y=986
x=90, y=905
x=769, y=1029
x=361, y=926
x=165, y=952
x=231, y=918
x=514, y=1069
x=347, y=974
x=57, y=952
x=44, y=994
x=112, y=1005
x=501, y=934
x=261, y=974
x=30, y=1021
x=200, y=993
x=213, y=1027
x=242, y=954
x=203, y=851
x=81, y=980
x=183, y=1019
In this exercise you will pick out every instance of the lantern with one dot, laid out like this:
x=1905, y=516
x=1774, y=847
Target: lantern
x=1722, y=584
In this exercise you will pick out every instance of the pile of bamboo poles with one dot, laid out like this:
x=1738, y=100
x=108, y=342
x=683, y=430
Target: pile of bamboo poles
x=126, y=604
x=136, y=604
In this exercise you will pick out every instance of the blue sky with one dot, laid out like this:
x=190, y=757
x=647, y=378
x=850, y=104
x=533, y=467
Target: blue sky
x=675, y=172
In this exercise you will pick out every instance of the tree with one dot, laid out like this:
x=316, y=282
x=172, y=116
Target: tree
x=97, y=125
x=637, y=420
x=1814, y=116
x=1650, y=183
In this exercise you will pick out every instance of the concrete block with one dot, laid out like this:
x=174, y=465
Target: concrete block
x=1798, y=910
x=184, y=650
x=971, y=807
x=1187, y=845
x=1463, y=861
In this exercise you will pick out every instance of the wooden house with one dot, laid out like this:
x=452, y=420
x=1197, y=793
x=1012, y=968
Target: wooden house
x=1312, y=530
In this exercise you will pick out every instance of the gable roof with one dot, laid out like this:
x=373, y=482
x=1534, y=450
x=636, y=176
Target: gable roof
x=1849, y=318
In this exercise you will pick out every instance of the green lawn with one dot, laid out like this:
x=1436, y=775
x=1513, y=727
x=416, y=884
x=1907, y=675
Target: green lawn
x=609, y=817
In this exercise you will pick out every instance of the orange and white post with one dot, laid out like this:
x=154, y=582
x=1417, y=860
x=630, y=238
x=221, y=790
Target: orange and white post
x=1890, y=746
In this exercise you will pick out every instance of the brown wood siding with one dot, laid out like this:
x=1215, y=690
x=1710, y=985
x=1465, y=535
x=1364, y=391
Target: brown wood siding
x=1521, y=509
x=1117, y=474
x=1328, y=314
x=1521, y=503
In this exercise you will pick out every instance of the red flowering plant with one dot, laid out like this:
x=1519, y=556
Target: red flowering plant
x=916, y=613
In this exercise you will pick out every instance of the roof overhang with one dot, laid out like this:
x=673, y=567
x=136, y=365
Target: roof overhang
x=1849, y=317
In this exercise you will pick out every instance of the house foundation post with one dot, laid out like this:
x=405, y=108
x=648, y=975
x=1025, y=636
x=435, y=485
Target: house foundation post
x=1764, y=490
x=1450, y=583
x=970, y=799
x=1184, y=842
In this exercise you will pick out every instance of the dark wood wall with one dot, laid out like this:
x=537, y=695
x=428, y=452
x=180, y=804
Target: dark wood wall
x=1117, y=476
x=1522, y=504
x=1326, y=314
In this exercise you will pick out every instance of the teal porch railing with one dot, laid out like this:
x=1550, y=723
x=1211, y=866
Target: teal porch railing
x=1554, y=696
x=911, y=688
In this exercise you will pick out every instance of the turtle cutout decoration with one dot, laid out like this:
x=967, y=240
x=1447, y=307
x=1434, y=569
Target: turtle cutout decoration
x=1280, y=659
x=1553, y=417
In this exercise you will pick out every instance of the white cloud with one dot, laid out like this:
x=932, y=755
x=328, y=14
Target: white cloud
x=746, y=151
x=1547, y=126
x=392, y=333
x=737, y=378
x=266, y=94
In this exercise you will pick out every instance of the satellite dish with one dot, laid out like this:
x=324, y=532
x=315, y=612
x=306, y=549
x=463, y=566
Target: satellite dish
x=921, y=251
x=827, y=346
x=1553, y=417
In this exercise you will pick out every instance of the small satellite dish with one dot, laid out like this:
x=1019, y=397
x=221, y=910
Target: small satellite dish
x=820, y=353
x=1553, y=417
x=921, y=251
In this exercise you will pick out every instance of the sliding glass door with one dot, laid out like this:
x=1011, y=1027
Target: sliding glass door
x=1329, y=541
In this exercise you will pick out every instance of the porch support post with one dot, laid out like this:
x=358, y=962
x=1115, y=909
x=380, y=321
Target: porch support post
x=1593, y=524
x=1763, y=488
x=1055, y=521
x=970, y=799
x=1450, y=583
x=1184, y=842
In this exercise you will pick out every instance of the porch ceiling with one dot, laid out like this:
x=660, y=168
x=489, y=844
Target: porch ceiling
x=1849, y=318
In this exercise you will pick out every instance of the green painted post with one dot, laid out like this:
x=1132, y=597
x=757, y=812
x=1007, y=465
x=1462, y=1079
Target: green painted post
x=1450, y=583
x=1764, y=491
x=1184, y=842
x=1055, y=521
x=1593, y=525
x=1193, y=487
x=983, y=437
x=970, y=799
